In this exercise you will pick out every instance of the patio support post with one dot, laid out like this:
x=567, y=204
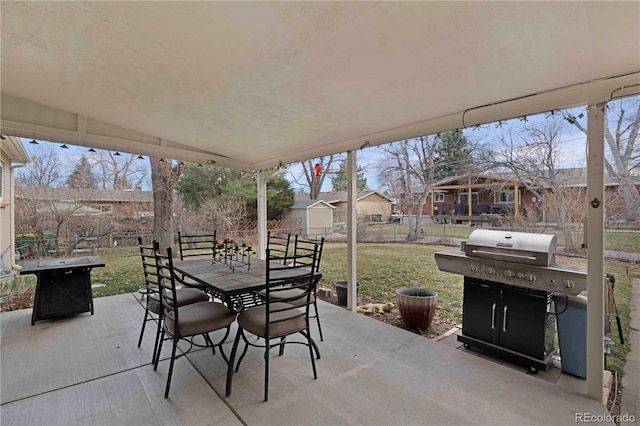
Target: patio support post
x=262, y=214
x=595, y=253
x=516, y=200
x=470, y=201
x=433, y=196
x=352, y=224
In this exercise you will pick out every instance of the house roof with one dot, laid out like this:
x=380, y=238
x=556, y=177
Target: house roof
x=13, y=148
x=77, y=194
x=307, y=204
x=251, y=85
x=569, y=177
x=339, y=196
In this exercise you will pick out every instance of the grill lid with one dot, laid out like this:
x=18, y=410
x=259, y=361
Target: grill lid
x=520, y=247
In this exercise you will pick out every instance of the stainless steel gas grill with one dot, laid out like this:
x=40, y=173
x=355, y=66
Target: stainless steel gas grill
x=510, y=278
x=515, y=258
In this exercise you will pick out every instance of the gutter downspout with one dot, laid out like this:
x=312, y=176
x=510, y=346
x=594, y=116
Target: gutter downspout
x=12, y=220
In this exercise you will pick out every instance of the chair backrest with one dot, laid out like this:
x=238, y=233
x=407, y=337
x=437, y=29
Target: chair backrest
x=281, y=302
x=167, y=287
x=148, y=255
x=199, y=245
x=279, y=245
x=305, y=245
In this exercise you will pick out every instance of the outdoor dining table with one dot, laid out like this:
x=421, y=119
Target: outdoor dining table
x=237, y=285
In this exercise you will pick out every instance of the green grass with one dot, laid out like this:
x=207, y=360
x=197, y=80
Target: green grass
x=383, y=268
x=122, y=273
x=619, y=241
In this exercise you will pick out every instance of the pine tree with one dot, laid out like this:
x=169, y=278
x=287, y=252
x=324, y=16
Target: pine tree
x=339, y=179
x=453, y=155
x=82, y=175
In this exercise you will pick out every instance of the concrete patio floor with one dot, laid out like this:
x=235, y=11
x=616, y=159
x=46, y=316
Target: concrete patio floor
x=88, y=370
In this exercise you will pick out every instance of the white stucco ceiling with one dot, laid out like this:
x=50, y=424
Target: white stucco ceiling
x=252, y=84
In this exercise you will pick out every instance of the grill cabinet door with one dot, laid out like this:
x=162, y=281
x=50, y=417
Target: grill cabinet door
x=522, y=322
x=480, y=313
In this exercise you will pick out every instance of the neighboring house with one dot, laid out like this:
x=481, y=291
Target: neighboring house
x=472, y=195
x=12, y=155
x=370, y=205
x=85, y=212
x=461, y=197
x=315, y=216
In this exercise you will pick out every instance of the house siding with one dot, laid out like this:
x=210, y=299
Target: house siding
x=6, y=252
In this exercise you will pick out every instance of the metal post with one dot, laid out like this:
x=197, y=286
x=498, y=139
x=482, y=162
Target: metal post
x=595, y=254
x=352, y=223
x=262, y=214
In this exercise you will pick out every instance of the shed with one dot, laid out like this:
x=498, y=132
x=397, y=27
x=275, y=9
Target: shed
x=316, y=217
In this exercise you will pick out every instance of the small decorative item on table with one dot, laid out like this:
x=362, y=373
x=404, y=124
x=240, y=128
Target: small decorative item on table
x=232, y=253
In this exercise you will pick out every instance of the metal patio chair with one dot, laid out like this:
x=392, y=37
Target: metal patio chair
x=186, y=321
x=152, y=310
x=281, y=316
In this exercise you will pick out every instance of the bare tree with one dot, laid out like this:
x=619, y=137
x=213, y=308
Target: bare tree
x=622, y=160
x=44, y=170
x=40, y=210
x=530, y=151
x=315, y=171
x=412, y=164
x=215, y=213
x=122, y=171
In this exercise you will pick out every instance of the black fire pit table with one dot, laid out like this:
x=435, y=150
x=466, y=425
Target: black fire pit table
x=63, y=287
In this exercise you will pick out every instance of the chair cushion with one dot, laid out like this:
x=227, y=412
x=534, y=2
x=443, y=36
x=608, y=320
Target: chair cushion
x=199, y=318
x=186, y=296
x=292, y=292
x=254, y=321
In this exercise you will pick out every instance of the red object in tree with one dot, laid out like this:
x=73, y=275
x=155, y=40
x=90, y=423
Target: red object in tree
x=318, y=169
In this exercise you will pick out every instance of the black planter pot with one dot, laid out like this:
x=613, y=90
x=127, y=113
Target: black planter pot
x=341, y=292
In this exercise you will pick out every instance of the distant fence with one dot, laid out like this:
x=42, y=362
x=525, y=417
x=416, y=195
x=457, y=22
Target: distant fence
x=431, y=233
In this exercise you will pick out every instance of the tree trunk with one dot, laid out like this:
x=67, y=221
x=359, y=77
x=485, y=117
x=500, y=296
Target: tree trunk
x=163, y=179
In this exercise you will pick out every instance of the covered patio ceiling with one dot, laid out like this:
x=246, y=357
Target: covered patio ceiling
x=251, y=85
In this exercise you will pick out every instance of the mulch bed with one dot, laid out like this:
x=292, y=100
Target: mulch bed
x=438, y=327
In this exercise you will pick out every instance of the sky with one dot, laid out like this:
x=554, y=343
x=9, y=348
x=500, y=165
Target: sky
x=572, y=153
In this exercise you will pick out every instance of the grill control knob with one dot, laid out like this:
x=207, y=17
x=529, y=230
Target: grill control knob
x=473, y=268
x=520, y=276
x=568, y=284
x=509, y=274
x=530, y=278
x=490, y=271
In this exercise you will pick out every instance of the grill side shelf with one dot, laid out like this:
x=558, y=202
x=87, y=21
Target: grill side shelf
x=570, y=280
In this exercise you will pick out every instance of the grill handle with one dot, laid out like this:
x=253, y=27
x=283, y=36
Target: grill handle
x=493, y=316
x=503, y=255
x=504, y=318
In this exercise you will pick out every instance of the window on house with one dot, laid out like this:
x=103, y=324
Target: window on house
x=463, y=198
x=438, y=197
x=107, y=208
x=505, y=197
x=416, y=199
